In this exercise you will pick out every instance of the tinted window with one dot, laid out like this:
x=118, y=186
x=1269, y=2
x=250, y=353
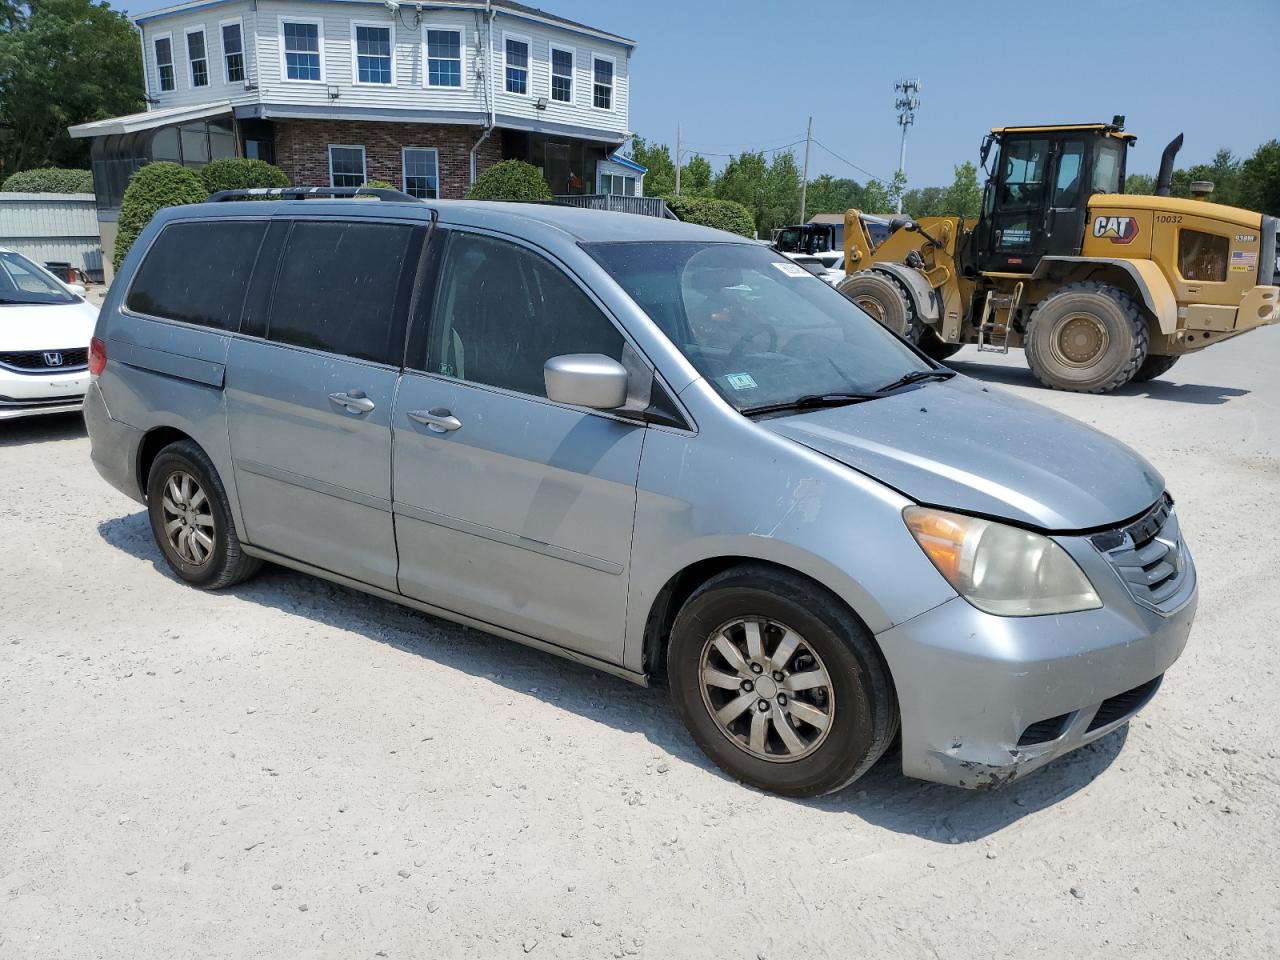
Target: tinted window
x=338, y=289
x=503, y=311
x=197, y=272
x=1066, y=192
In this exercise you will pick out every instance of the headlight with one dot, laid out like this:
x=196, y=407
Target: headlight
x=1001, y=569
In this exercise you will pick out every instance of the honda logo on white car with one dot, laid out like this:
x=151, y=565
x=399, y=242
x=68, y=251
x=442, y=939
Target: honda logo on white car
x=53, y=359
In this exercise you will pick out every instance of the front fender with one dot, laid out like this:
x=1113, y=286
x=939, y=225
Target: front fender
x=1152, y=285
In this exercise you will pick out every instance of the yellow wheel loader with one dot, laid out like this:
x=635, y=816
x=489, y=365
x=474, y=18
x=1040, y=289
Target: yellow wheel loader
x=1098, y=287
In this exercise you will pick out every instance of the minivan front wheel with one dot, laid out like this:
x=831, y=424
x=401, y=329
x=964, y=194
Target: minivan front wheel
x=191, y=519
x=779, y=683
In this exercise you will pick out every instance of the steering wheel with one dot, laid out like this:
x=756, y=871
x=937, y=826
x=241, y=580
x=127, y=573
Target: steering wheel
x=740, y=347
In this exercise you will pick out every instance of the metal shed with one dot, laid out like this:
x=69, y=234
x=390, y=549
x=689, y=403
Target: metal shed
x=49, y=227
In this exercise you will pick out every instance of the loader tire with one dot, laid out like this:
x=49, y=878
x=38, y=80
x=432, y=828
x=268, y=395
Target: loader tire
x=1153, y=367
x=1087, y=337
x=881, y=299
x=935, y=348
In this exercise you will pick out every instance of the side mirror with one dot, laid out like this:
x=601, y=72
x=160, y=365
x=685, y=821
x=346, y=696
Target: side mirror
x=586, y=380
x=77, y=288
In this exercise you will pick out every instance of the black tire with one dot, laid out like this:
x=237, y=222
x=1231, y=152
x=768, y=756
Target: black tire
x=863, y=717
x=1086, y=337
x=1153, y=367
x=935, y=348
x=882, y=299
x=225, y=563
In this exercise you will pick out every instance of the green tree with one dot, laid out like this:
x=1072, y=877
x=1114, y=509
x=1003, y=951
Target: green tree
x=1140, y=184
x=925, y=202
x=964, y=197
x=742, y=181
x=876, y=197
x=828, y=194
x=661, y=178
x=896, y=189
x=695, y=177
x=62, y=62
x=1259, y=184
x=780, y=199
x=152, y=188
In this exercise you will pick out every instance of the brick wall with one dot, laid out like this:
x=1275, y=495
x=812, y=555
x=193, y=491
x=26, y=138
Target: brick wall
x=302, y=150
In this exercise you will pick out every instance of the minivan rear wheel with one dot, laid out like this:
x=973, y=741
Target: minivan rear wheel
x=191, y=519
x=779, y=683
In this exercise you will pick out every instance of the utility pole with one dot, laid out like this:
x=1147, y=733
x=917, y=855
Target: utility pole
x=677, y=159
x=804, y=177
x=907, y=104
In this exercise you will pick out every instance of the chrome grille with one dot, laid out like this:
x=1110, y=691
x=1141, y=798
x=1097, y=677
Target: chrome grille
x=38, y=361
x=1149, y=556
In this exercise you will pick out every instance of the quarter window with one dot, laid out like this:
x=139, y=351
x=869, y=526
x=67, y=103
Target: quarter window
x=602, y=88
x=562, y=75
x=444, y=58
x=373, y=54
x=233, y=52
x=503, y=311
x=164, y=63
x=338, y=289
x=346, y=166
x=197, y=272
x=517, y=66
x=421, y=172
x=197, y=57
x=301, y=51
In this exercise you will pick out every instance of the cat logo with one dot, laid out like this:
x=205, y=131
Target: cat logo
x=1116, y=229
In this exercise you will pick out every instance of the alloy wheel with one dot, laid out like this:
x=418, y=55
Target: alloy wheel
x=767, y=689
x=188, y=518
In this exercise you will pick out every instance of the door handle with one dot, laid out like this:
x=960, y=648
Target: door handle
x=354, y=400
x=438, y=419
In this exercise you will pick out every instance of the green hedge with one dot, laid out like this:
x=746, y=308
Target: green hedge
x=510, y=180
x=379, y=185
x=710, y=212
x=151, y=188
x=49, y=180
x=238, y=173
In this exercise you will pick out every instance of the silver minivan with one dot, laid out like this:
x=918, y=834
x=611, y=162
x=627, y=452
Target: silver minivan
x=650, y=447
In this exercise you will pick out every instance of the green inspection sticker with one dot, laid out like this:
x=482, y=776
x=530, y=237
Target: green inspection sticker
x=740, y=381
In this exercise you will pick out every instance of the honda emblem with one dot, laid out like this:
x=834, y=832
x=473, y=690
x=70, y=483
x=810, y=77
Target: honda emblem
x=53, y=359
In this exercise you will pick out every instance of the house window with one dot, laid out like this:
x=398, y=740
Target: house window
x=444, y=58
x=602, y=90
x=517, y=66
x=373, y=53
x=197, y=58
x=421, y=172
x=302, y=51
x=620, y=184
x=233, y=51
x=561, y=75
x=346, y=166
x=164, y=62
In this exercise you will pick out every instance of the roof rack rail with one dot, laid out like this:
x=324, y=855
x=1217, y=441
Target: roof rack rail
x=308, y=193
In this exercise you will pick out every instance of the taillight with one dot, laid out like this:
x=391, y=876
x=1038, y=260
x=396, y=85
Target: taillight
x=97, y=356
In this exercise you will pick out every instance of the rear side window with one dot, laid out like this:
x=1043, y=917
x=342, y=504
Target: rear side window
x=339, y=289
x=197, y=272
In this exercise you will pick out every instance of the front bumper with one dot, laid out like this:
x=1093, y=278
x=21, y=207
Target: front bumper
x=24, y=395
x=971, y=686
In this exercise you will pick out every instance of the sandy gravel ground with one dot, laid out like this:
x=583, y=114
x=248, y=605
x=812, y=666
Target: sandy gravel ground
x=291, y=769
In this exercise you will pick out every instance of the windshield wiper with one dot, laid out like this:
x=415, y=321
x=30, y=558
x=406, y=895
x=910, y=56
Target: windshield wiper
x=916, y=376
x=812, y=400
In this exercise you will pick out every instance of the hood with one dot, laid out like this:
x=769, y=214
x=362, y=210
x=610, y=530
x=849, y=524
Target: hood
x=46, y=326
x=959, y=445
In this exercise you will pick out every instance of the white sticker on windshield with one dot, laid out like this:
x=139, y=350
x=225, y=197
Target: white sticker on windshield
x=792, y=269
x=740, y=381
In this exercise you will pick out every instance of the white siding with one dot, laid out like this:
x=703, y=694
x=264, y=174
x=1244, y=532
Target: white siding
x=262, y=42
x=176, y=27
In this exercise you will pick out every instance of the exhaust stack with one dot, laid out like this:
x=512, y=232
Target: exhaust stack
x=1164, y=182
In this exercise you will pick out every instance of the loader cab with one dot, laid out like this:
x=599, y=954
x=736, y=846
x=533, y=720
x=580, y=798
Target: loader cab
x=1039, y=181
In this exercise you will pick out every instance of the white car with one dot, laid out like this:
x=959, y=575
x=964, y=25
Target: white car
x=45, y=326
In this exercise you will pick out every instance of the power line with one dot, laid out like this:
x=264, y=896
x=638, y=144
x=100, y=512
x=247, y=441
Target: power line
x=862, y=170
x=708, y=153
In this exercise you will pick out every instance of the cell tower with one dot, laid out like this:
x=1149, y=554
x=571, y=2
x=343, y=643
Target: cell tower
x=907, y=104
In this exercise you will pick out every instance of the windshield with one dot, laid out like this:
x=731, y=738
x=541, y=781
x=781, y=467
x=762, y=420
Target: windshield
x=21, y=281
x=761, y=329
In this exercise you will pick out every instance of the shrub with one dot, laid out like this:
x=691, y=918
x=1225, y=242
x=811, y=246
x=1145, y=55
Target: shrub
x=379, y=185
x=239, y=173
x=710, y=212
x=151, y=188
x=510, y=180
x=49, y=180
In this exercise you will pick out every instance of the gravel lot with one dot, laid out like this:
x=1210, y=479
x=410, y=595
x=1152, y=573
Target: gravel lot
x=292, y=769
